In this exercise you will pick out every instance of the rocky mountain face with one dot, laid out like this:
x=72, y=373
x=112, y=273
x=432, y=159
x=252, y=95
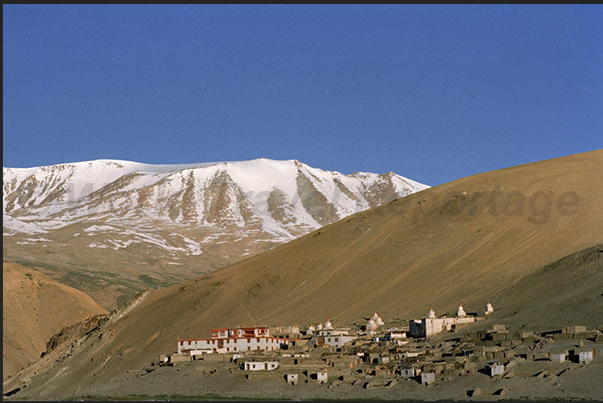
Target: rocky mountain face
x=113, y=228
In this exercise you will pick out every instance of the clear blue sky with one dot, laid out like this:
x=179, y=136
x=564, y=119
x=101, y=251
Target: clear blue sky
x=432, y=92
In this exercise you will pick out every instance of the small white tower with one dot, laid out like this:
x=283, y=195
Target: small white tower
x=328, y=325
x=489, y=309
x=371, y=325
x=310, y=330
x=377, y=319
x=319, y=327
x=431, y=314
x=460, y=311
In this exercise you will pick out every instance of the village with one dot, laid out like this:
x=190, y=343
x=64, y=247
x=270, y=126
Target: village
x=425, y=351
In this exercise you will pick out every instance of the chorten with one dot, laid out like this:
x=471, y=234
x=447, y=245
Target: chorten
x=371, y=325
x=431, y=314
x=377, y=319
x=328, y=325
x=461, y=311
x=489, y=309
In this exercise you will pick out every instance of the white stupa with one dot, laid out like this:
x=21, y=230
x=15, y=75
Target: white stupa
x=319, y=327
x=328, y=325
x=377, y=319
x=489, y=309
x=431, y=314
x=460, y=311
x=371, y=325
x=310, y=330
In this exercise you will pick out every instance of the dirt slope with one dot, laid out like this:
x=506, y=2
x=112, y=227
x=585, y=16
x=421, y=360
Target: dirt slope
x=471, y=240
x=34, y=308
x=566, y=292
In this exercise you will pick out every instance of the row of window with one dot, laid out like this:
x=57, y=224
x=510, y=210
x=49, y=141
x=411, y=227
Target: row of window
x=235, y=341
x=248, y=349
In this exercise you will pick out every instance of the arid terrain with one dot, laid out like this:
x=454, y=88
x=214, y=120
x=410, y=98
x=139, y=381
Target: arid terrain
x=518, y=238
x=34, y=308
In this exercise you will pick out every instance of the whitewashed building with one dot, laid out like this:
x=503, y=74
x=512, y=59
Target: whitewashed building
x=427, y=378
x=557, y=357
x=409, y=372
x=232, y=340
x=407, y=354
x=332, y=337
x=396, y=337
x=585, y=356
x=322, y=376
x=433, y=325
x=335, y=340
x=260, y=365
x=292, y=379
x=497, y=369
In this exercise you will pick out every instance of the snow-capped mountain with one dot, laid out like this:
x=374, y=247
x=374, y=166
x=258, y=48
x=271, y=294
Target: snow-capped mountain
x=168, y=214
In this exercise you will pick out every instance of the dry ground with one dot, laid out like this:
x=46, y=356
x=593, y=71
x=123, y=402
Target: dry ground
x=34, y=308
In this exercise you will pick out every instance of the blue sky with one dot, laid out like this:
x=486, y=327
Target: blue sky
x=433, y=93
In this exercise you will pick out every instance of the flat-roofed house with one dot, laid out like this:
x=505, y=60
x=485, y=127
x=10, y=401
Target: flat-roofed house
x=229, y=340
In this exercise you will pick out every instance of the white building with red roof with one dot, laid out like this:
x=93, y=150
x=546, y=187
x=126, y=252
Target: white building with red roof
x=229, y=340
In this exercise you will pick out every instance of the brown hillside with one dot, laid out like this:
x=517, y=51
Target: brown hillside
x=34, y=308
x=566, y=292
x=472, y=240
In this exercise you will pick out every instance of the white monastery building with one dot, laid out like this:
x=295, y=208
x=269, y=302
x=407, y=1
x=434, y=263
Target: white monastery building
x=333, y=337
x=232, y=340
x=434, y=325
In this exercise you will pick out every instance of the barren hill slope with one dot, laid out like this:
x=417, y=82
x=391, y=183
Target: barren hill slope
x=472, y=240
x=114, y=228
x=566, y=292
x=34, y=308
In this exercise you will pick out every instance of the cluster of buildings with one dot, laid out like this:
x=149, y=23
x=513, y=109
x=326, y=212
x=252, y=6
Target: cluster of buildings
x=371, y=361
x=263, y=338
x=373, y=350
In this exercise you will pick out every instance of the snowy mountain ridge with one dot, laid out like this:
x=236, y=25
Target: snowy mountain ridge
x=162, y=224
x=283, y=195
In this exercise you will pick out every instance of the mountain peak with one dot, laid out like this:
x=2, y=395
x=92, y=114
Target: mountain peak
x=204, y=215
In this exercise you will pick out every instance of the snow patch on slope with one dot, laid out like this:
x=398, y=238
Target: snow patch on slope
x=259, y=196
